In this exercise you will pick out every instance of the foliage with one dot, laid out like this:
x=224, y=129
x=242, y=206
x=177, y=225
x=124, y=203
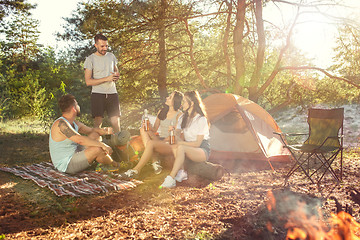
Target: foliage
x=21, y=40
x=133, y=31
x=3, y=107
x=348, y=52
x=32, y=77
x=8, y=7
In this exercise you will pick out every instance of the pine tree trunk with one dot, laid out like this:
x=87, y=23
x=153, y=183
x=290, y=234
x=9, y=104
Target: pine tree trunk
x=238, y=48
x=255, y=78
x=162, y=54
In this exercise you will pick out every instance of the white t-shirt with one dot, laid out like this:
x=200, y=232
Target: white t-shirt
x=197, y=126
x=101, y=67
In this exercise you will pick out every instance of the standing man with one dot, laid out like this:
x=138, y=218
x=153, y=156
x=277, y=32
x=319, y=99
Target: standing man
x=101, y=73
x=71, y=152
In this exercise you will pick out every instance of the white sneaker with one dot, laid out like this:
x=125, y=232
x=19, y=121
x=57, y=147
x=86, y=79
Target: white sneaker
x=157, y=167
x=169, y=182
x=131, y=173
x=181, y=175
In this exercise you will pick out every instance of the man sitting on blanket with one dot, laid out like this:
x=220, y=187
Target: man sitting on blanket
x=71, y=152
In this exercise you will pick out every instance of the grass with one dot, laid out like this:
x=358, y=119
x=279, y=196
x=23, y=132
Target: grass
x=30, y=126
x=25, y=142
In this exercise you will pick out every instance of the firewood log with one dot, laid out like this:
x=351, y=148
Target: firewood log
x=355, y=196
x=338, y=205
x=206, y=170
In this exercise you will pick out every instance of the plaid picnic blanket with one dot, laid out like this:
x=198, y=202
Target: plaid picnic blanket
x=84, y=183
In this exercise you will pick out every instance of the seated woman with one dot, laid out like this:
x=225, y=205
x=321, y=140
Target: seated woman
x=167, y=116
x=195, y=146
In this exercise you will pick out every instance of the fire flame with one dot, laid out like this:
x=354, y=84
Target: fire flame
x=341, y=226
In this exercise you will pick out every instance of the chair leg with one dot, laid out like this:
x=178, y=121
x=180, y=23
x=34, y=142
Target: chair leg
x=298, y=164
x=341, y=162
x=327, y=164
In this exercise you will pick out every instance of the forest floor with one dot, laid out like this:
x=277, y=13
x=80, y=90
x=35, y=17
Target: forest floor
x=235, y=207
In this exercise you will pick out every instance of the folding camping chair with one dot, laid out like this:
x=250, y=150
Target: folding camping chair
x=315, y=157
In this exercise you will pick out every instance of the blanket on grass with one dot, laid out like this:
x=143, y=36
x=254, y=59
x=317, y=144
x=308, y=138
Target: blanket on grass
x=84, y=183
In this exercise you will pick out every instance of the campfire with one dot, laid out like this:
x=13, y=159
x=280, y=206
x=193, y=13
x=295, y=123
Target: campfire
x=305, y=220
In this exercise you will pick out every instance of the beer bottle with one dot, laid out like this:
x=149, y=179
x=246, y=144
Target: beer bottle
x=146, y=121
x=172, y=134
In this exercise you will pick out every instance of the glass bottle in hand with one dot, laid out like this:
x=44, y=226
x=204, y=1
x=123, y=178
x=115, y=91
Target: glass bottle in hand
x=172, y=133
x=146, y=121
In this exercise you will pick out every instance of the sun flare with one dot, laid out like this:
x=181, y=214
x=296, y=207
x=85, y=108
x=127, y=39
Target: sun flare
x=314, y=38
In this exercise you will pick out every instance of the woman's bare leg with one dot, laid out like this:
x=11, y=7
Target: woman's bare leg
x=158, y=146
x=147, y=136
x=144, y=136
x=194, y=154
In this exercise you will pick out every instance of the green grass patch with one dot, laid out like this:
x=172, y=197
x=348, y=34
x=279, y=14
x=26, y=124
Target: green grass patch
x=26, y=126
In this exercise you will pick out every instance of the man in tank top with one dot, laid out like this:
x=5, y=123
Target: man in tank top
x=71, y=152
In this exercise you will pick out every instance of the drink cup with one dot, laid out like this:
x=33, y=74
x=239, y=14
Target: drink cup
x=109, y=131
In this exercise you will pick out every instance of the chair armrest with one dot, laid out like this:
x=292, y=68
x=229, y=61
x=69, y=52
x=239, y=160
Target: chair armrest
x=284, y=137
x=290, y=134
x=296, y=134
x=331, y=137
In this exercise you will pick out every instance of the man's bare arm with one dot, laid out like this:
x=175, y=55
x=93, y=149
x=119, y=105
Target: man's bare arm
x=66, y=129
x=90, y=81
x=70, y=133
x=83, y=129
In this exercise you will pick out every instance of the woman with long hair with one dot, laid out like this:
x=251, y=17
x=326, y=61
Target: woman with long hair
x=166, y=117
x=194, y=144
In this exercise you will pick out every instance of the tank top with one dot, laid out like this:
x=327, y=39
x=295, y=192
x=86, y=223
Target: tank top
x=62, y=152
x=164, y=125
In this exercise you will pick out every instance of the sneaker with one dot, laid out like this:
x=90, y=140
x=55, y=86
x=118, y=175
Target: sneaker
x=157, y=167
x=131, y=173
x=106, y=168
x=181, y=175
x=169, y=182
x=98, y=167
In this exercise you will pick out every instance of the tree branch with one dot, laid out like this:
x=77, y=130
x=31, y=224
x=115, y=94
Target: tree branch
x=285, y=103
x=277, y=65
x=321, y=70
x=191, y=52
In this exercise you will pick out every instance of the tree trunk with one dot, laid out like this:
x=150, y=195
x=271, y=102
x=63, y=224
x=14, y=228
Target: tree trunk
x=162, y=54
x=255, y=78
x=192, y=57
x=278, y=62
x=238, y=48
x=225, y=46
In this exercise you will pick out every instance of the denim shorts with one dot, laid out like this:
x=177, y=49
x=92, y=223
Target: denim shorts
x=205, y=145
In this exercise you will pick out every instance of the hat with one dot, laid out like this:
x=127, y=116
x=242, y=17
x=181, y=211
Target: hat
x=121, y=138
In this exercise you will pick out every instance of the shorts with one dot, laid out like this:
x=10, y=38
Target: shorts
x=205, y=145
x=105, y=102
x=78, y=161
